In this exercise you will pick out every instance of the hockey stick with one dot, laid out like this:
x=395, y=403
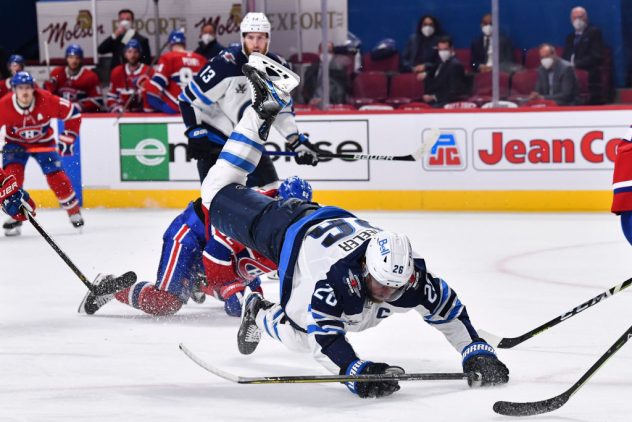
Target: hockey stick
x=538, y=407
x=126, y=280
x=429, y=138
x=304, y=379
x=61, y=253
x=509, y=342
x=32, y=150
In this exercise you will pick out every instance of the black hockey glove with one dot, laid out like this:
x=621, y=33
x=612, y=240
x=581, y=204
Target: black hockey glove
x=307, y=153
x=480, y=358
x=372, y=389
x=199, y=146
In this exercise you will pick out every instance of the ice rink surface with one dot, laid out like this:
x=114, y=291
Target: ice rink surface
x=513, y=271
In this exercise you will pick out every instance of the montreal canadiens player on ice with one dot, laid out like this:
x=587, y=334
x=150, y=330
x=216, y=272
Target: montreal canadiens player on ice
x=172, y=73
x=214, y=101
x=190, y=266
x=26, y=115
x=622, y=185
x=76, y=83
x=338, y=273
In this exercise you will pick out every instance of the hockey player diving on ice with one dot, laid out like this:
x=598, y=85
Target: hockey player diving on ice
x=337, y=272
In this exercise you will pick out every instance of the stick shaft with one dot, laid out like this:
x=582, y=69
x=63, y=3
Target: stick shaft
x=61, y=253
x=507, y=343
x=347, y=156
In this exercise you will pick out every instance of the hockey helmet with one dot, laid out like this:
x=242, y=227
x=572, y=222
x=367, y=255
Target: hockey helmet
x=389, y=261
x=22, y=78
x=177, y=37
x=134, y=43
x=254, y=22
x=16, y=58
x=295, y=187
x=74, y=50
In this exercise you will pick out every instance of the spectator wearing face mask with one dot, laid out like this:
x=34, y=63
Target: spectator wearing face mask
x=584, y=49
x=446, y=84
x=123, y=33
x=420, y=55
x=556, y=78
x=339, y=84
x=208, y=46
x=482, y=49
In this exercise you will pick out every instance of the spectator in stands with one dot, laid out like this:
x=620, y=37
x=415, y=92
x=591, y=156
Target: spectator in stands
x=556, y=78
x=481, y=49
x=339, y=84
x=584, y=49
x=420, y=55
x=76, y=83
x=446, y=83
x=123, y=33
x=208, y=46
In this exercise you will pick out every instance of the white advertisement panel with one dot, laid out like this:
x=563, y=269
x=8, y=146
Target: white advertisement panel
x=476, y=151
x=60, y=23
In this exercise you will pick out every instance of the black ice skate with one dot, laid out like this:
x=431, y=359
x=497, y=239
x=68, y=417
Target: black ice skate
x=12, y=227
x=76, y=220
x=271, y=85
x=249, y=333
x=105, y=286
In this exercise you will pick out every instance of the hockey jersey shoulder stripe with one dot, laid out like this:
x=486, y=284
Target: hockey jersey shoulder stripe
x=198, y=93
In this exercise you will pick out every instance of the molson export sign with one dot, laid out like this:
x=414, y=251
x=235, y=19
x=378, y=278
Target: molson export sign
x=545, y=148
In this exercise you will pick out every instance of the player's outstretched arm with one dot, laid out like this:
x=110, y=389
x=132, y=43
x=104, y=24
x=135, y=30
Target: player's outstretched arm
x=441, y=308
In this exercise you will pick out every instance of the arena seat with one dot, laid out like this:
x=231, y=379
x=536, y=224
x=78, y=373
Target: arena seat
x=369, y=87
x=405, y=88
x=390, y=64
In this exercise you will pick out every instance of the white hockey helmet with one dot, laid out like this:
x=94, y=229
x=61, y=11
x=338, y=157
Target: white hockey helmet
x=389, y=259
x=254, y=22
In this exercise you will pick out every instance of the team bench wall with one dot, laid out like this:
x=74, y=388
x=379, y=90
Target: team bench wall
x=512, y=160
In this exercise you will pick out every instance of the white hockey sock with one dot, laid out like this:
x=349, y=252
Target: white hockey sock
x=239, y=157
x=269, y=321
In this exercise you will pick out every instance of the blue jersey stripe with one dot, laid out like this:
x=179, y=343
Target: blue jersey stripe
x=199, y=94
x=236, y=136
x=237, y=161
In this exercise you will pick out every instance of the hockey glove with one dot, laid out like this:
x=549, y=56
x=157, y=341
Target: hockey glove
x=480, y=358
x=372, y=389
x=14, y=199
x=306, y=152
x=199, y=145
x=66, y=144
x=233, y=295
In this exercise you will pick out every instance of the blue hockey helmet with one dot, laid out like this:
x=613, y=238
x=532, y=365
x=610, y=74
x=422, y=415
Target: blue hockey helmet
x=295, y=187
x=177, y=37
x=134, y=43
x=16, y=58
x=22, y=78
x=74, y=50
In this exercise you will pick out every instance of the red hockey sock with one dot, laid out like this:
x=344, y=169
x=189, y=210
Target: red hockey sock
x=147, y=298
x=60, y=184
x=16, y=170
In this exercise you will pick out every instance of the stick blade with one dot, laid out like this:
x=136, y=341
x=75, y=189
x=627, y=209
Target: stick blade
x=508, y=408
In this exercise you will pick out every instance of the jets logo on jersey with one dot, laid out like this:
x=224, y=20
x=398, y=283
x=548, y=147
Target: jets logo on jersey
x=229, y=57
x=448, y=152
x=353, y=283
x=240, y=89
x=249, y=268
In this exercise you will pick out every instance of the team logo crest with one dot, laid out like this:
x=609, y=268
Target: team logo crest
x=240, y=89
x=229, y=57
x=29, y=134
x=353, y=284
x=250, y=269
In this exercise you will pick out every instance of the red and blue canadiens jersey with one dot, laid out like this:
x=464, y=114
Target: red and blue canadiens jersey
x=622, y=177
x=32, y=126
x=82, y=89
